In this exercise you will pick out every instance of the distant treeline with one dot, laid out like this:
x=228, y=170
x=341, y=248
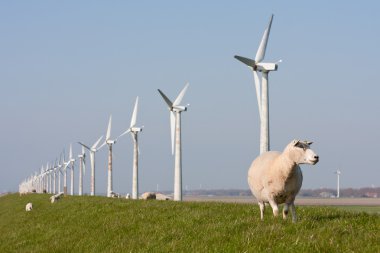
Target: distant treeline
x=367, y=192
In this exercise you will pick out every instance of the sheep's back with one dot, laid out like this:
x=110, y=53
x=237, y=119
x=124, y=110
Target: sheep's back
x=258, y=172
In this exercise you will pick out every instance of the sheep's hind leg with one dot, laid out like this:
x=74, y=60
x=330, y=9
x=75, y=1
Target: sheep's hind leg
x=285, y=211
x=262, y=209
x=293, y=211
x=274, y=207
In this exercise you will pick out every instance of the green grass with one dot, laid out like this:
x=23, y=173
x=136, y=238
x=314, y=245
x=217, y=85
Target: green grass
x=99, y=224
x=358, y=209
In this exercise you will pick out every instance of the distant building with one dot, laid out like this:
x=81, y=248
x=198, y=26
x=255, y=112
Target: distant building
x=325, y=195
x=370, y=194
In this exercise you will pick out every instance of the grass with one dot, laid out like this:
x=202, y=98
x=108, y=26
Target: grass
x=99, y=224
x=358, y=209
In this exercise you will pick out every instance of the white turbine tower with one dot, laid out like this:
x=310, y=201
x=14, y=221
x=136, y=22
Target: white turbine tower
x=337, y=172
x=71, y=160
x=82, y=170
x=54, y=177
x=133, y=130
x=65, y=165
x=175, y=125
x=109, y=142
x=257, y=65
x=59, y=166
x=94, y=148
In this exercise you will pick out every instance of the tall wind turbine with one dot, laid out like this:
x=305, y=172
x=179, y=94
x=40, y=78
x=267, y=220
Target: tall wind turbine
x=337, y=172
x=257, y=65
x=71, y=160
x=109, y=142
x=94, y=148
x=175, y=125
x=133, y=130
x=82, y=170
x=59, y=166
x=65, y=165
x=54, y=177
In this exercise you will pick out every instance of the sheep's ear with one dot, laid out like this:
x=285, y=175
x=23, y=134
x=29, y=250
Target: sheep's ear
x=309, y=142
x=295, y=142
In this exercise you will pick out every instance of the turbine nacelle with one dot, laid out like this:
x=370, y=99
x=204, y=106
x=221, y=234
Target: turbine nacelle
x=179, y=108
x=109, y=142
x=136, y=129
x=265, y=67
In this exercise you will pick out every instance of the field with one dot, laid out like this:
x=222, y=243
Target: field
x=99, y=224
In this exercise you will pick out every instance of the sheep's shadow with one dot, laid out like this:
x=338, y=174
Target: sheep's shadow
x=326, y=217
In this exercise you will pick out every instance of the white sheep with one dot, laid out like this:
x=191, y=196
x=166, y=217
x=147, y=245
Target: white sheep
x=29, y=207
x=276, y=178
x=160, y=196
x=56, y=197
x=148, y=195
x=128, y=196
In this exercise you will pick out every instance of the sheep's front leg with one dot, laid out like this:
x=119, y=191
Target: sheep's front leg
x=274, y=207
x=285, y=211
x=262, y=209
x=293, y=211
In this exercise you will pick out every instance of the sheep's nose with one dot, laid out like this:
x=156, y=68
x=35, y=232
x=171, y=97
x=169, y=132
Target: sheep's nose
x=316, y=156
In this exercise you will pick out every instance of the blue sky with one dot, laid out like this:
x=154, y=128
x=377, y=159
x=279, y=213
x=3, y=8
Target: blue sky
x=66, y=66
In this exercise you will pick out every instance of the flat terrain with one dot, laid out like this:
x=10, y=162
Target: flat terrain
x=299, y=201
x=100, y=224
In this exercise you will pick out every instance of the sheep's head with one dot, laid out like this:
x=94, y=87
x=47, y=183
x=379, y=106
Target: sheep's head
x=300, y=152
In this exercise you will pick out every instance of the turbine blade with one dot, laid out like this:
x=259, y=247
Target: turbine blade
x=167, y=100
x=108, y=135
x=83, y=145
x=84, y=166
x=178, y=100
x=83, y=151
x=98, y=148
x=249, y=62
x=172, y=129
x=264, y=41
x=71, y=152
x=127, y=131
x=134, y=114
x=258, y=91
x=97, y=142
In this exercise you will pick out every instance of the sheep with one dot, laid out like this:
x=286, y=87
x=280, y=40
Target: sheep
x=56, y=197
x=115, y=195
x=148, y=195
x=29, y=207
x=128, y=196
x=160, y=196
x=276, y=178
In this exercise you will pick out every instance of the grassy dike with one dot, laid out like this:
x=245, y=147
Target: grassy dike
x=100, y=224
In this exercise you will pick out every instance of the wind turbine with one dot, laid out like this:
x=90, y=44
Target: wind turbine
x=133, y=130
x=59, y=166
x=257, y=65
x=175, y=125
x=82, y=167
x=71, y=161
x=65, y=165
x=109, y=142
x=54, y=176
x=92, y=150
x=337, y=172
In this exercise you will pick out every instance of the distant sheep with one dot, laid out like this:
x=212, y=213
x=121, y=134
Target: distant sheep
x=56, y=197
x=128, y=196
x=29, y=207
x=276, y=178
x=148, y=195
x=160, y=196
x=115, y=195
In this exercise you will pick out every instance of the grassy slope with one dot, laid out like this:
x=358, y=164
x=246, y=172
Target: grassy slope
x=99, y=224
